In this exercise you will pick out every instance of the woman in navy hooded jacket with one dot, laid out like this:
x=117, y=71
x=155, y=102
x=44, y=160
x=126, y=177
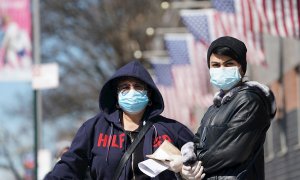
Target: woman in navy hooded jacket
x=127, y=101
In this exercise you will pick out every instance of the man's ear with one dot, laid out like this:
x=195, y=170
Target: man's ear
x=241, y=71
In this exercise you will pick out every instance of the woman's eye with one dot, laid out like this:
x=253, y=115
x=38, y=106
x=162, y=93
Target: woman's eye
x=123, y=87
x=138, y=87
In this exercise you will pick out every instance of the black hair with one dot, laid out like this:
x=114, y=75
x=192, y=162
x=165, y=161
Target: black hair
x=231, y=47
x=225, y=51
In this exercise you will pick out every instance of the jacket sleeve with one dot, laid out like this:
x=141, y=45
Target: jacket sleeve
x=184, y=136
x=245, y=132
x=73, y=163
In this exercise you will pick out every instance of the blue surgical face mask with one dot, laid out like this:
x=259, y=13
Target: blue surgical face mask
x=225, y=78
x=133, y=102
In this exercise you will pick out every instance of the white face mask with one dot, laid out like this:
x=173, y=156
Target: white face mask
x=225, y=78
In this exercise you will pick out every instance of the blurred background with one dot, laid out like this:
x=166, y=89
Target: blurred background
x=55, y=56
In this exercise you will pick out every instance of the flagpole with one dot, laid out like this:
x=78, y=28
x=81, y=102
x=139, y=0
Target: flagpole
x=37, y=98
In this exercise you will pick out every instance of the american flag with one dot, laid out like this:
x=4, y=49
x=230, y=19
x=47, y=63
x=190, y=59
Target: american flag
x=201, y=75
x=238, y=20
x=180, y=48
x=253, y=18
x=183, y=80
x=191, y=74
x=164, y=80
x=276, y=17
x=225, y=19
x=200, y=24
x=163, y=75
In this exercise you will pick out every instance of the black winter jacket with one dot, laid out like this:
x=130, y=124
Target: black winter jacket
x=232, y=132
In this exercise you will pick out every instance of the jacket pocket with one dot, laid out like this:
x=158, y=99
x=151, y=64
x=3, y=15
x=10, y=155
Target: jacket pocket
x=210, y=134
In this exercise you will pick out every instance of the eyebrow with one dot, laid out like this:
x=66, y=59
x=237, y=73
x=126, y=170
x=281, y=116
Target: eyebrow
x=228, y=60
x=128, y=82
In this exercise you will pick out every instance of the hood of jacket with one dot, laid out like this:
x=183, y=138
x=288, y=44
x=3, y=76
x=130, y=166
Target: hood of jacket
x=270, y=98
x=259, y=88
x=108, y=94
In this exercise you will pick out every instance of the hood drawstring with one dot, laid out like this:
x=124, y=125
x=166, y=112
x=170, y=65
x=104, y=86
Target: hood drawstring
x=155, y=133
x=109, y=141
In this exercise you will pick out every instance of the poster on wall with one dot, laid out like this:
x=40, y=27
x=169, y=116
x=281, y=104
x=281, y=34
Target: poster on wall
x=15, y=40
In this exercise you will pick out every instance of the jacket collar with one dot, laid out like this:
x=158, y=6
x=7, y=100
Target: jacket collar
x=222, y=98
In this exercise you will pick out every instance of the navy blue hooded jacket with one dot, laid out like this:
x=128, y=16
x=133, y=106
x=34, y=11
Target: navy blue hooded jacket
x=101, y=141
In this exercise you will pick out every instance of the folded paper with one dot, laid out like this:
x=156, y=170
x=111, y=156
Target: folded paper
x=154, y=165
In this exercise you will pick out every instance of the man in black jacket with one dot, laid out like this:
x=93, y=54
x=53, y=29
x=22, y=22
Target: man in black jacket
x=229, y=141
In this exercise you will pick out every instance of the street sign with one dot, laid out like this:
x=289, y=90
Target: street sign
x=45, y=76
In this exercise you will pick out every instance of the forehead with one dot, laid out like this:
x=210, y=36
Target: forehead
x=129, y=80
x=216, y=58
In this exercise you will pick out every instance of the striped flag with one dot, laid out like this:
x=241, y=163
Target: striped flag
x=183, y=79
x=253, y=18
x=190, y=71
x=238, y=20
x=201, y=24
x=276, y=17
x=178, y=51
x=201, y=74
x=163, y=74
x=225, y=18
x=190, y=76
x=164, y=80
x=208, y=24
